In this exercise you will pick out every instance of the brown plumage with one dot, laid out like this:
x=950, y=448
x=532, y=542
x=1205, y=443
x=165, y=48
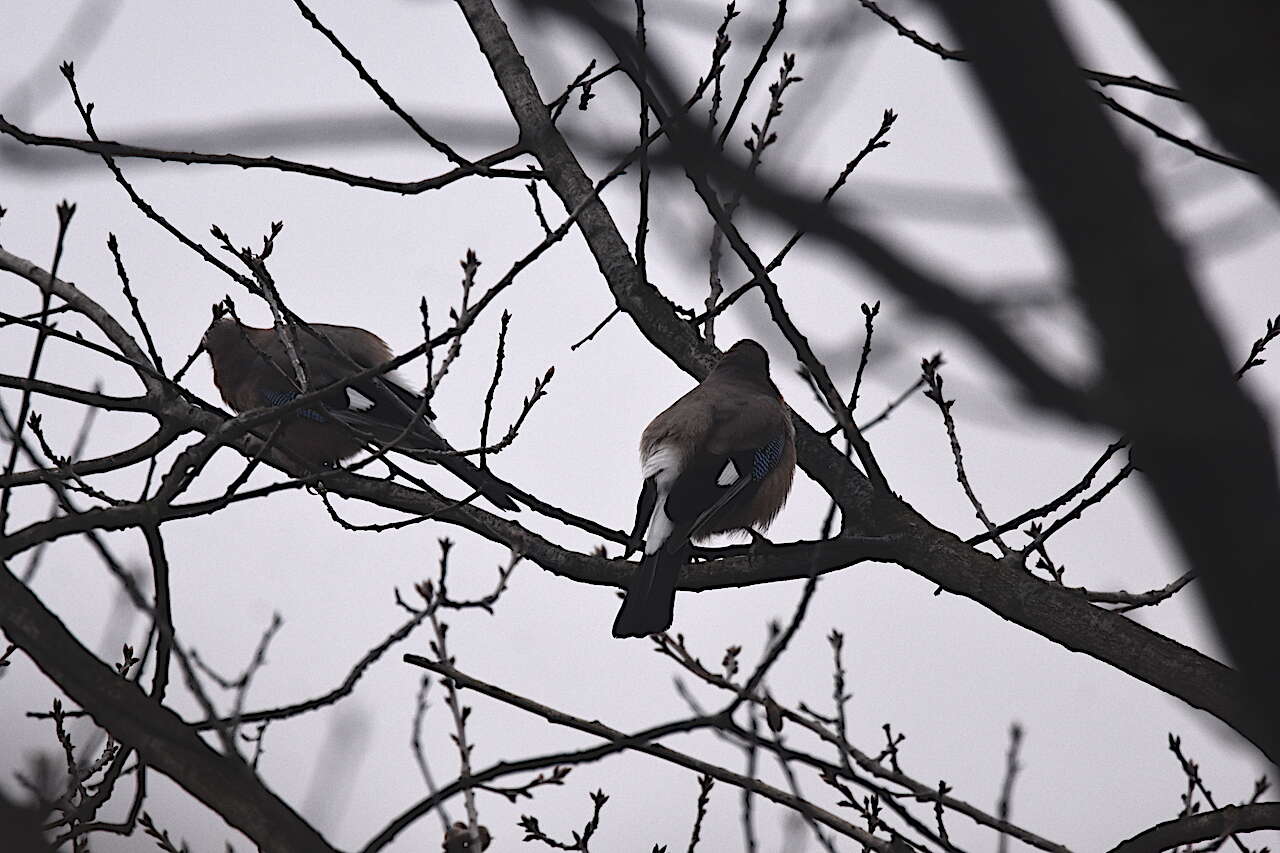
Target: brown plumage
x=252, y=369
x=720, y=458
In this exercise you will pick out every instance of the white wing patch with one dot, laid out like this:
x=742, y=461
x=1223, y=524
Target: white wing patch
x=394, y=378
x=729, y=475
x=663, y=457
x=358, y=402
x=663, y=463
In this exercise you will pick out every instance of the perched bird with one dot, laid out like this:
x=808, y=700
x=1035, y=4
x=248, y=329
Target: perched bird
x=252, y=369
x=720, y=458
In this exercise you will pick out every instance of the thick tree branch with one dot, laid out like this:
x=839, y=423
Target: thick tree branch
x=1193, y=436
x=1102, y=78
x=159, y=736
x=931, y=293
x=652, y=312
x=82, y=304
x=1206, y=826
x=1057, y=613
x=936, y=554
x=1225, y=66
x=1201, y=441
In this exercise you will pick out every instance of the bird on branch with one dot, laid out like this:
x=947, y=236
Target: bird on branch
x=720, y=458
x=253, y=369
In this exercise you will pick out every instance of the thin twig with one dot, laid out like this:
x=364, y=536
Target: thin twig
x=775, y=30
x=1100, y=77
x=459, y=713
x=484, y=166
x=114, y=246
x=65, y=212
x=383, y=94
x=705, y=784
x=1181, y=142
x=876, y=142
x=419, y=754
x=933, y=379
x=499, y=358
x=616, y=738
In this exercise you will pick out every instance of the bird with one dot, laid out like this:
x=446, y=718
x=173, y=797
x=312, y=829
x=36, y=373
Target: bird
x=721, y=458
x=253, y=369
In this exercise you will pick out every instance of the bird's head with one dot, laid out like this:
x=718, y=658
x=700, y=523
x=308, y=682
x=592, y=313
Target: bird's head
x=745, y=357
x=222, y=331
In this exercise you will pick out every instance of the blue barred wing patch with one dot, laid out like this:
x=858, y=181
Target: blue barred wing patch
x=279, y=398
x=766, y=458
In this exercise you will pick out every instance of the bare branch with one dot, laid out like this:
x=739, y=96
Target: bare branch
x=1206, y=826
x=483, y=166
x=662, y=752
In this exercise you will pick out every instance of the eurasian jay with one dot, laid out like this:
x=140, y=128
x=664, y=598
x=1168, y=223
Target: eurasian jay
x=252, y=369
x=720, y=458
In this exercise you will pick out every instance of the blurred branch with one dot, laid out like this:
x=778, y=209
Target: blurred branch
x=699, y=160
x=1224, y=67
x=1011, y=770
x=383, y=95
x=1181, y=142
x=928, y=551
x=919, y=546
x=1099, y=77
x=877, y=524
x=876, y=142
x=1211, y=466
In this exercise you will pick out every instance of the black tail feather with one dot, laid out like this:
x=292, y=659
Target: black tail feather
x=644, y=512
x=651, y=595
x=477, y=478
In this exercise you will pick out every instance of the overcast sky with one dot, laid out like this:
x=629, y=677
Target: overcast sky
x=256, y=79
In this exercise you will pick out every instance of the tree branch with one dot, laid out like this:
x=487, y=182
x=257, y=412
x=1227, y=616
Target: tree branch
x=162, y=740
x=1201, y=441
x=1206, y=826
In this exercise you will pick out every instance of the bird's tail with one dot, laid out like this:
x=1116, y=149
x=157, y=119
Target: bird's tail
x=477, y=478
x=651, y=595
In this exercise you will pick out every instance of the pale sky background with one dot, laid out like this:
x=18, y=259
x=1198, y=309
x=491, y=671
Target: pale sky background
x=254, y=78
